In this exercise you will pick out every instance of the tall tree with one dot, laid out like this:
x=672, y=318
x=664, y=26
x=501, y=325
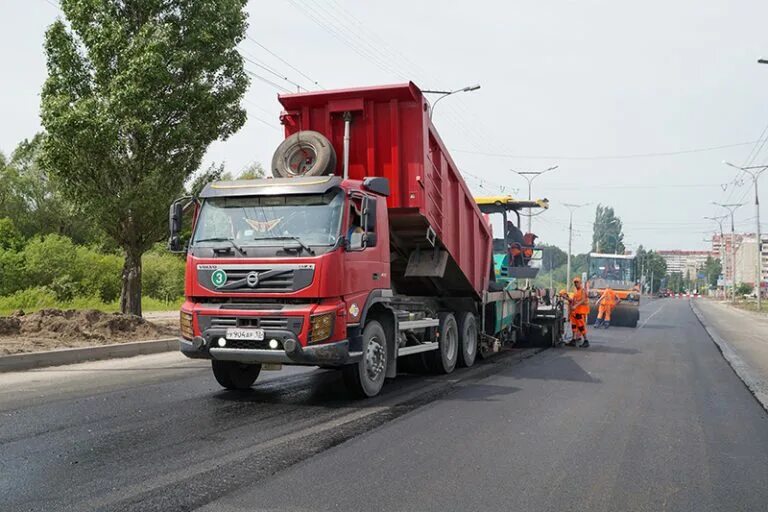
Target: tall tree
x=252, y=171
x=712, y=269
x=136, y=91
x=40, y=207
x=607, y=235
x=552, y=257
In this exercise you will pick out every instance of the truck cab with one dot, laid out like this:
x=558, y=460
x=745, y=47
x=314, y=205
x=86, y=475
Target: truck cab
x=279, y=271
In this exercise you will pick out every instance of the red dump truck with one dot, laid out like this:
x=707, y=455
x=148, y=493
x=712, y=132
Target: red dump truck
x=365, y=249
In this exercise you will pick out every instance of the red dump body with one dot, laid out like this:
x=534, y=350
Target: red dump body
x=392, y=136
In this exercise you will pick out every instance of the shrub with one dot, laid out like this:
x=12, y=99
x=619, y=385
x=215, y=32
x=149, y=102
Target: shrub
x=162, y=276
x=10, y=237
x=13, y=272
x=29, y=299
x=50, y=258
x=99, y=274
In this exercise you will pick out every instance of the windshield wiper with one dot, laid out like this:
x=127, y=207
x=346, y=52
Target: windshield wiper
x=222, y=239
x=294, y=238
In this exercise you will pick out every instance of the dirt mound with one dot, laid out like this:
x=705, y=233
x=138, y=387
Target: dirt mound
x=87, y=325
x=9, y=325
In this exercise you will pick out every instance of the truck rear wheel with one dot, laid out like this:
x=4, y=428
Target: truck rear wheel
x=234, y=375
x=467, y=339
x=305, y=153
x=443, y=360
x=366, y=378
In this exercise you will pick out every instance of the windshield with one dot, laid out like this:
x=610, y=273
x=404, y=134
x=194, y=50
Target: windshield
x=271, y=220
x=612, y=270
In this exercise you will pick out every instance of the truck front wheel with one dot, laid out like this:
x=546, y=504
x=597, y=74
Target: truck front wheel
x=366, y=378
x=234, y=375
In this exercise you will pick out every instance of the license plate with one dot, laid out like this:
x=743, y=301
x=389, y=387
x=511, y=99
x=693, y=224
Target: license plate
x=273, y=367
x=245, y=334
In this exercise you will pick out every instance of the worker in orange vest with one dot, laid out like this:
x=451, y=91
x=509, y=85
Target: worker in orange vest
x=579, y=310
x=605, y=304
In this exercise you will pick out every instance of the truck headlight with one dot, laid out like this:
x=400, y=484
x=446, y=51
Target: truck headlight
x=185, y=323
x=321, y=327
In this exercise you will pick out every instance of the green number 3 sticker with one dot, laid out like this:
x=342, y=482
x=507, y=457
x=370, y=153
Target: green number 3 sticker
x=218, y=278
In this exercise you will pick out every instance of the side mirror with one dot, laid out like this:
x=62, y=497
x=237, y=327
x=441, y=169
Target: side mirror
x=174, y=224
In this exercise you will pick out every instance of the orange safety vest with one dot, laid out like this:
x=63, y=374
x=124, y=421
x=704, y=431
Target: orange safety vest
x=608, y=298
x=528, y=240
x=579, y=295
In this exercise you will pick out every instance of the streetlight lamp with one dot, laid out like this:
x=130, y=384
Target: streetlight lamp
x=724, y=253
x=571, y=207
x=529, y=177
x=755, y=171
x=732, y=207
x=445, y=94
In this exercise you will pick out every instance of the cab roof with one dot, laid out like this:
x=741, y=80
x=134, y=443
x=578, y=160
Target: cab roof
x=271, y=186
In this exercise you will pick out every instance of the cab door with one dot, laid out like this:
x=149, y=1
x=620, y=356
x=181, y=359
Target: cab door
x=366, y=233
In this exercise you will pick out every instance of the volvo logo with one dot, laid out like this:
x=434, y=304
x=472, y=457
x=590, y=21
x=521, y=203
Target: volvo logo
x=252, y=279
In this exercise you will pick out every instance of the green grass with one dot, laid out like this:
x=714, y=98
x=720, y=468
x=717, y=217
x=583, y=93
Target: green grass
x=751, y=305
x=11, y=303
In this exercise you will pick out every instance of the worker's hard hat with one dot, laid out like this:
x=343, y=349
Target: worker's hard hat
x=562, y=292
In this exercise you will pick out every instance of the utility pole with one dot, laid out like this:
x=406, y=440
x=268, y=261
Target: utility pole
x=571, y=207
x=723, y=251
x=529, y=177
x=651, y=292
x=732, y=207
x=755, y=171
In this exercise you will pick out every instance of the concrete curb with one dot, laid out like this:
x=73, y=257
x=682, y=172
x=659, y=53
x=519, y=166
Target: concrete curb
x=17, y=362
x=756, y=385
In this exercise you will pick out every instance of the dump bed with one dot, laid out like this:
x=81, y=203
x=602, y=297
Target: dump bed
x=392, y=136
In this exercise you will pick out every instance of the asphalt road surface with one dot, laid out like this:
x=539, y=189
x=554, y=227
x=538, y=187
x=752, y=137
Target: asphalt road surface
x=646, y=419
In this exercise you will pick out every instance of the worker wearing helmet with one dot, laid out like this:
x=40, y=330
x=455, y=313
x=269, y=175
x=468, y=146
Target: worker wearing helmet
x=605, y=304
x=579, y=309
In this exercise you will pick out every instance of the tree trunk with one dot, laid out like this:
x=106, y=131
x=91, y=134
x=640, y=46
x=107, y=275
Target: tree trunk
x=130, y=295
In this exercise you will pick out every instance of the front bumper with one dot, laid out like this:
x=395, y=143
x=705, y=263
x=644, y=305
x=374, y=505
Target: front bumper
x=327, y=354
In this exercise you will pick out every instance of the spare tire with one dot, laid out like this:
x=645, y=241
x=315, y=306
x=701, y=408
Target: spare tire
x=305, y=153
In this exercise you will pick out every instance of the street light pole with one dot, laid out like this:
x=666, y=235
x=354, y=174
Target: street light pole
x=732, y=207
x=445, y=94
x=529, y=177
x=755, y=171
x=723, y=252
x=571, y=207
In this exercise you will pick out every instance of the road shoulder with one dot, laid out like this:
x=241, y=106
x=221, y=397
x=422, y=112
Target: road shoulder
x=732, y=337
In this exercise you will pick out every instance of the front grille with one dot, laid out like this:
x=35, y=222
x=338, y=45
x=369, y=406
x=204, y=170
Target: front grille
x=268, y=323
x=272, y=280
x=255, y=278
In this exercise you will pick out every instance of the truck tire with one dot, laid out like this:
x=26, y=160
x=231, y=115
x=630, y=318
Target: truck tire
x=305, y=153
x=443, y=360
x=366, y=378
x=234, y=375
x=467, y=339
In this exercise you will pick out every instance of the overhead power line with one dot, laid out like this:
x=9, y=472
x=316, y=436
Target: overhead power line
x=253, y=60
x=606, y=157
x=266, y=80
x=294, y=68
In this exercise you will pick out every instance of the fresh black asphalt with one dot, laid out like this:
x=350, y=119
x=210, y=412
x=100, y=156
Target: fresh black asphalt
x=650, y=419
